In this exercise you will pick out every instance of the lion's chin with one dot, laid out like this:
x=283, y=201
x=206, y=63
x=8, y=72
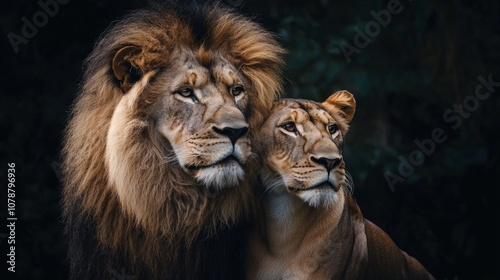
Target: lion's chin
x=220, y=176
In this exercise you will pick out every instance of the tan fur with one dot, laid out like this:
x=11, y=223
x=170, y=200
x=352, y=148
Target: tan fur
x=121, y=146
x=298, y=239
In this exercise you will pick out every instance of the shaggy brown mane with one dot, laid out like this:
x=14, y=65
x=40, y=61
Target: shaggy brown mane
x=157, y=230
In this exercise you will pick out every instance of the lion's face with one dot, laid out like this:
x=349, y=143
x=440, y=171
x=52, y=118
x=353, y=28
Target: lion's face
x=302, y=151
x=202, y=115
x=198, y=111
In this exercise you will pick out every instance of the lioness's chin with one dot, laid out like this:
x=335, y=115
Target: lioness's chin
x=319, y=197
x=221, y=175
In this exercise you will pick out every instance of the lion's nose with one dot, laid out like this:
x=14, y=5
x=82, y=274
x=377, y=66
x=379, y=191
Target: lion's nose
x=328, y=163
x=232, y=133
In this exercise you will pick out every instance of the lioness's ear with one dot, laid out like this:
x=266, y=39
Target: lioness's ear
x=341, y=103
x=126, y=70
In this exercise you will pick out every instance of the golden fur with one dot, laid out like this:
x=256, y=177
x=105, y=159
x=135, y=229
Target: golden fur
x=160, y=89
x=311, y=227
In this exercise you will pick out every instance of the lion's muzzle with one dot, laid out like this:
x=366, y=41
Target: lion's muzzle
x=233, y=133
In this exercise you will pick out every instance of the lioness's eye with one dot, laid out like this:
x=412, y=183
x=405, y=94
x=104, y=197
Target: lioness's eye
x=237, y=90
x=185, y=92
x=289, y=126
x=333, y=128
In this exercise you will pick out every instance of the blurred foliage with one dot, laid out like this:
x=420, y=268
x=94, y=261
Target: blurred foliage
x=426, y=59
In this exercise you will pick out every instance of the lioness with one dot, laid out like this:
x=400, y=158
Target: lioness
x=310, y=225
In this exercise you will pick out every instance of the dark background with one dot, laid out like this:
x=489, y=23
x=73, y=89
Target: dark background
x=424, y=62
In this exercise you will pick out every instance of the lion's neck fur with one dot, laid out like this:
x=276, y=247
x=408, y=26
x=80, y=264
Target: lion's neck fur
x=297, y=240
x=151, y=227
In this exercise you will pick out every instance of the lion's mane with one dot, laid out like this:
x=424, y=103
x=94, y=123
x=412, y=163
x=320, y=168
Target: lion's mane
x=177, y=230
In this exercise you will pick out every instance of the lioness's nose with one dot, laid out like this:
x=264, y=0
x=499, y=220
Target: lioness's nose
x=231, y=132
x=328, y=163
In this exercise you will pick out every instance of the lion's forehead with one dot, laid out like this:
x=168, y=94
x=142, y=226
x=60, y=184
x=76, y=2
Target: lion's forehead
x=200, y=70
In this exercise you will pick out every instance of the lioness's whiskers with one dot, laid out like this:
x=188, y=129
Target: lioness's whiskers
x=349, y=182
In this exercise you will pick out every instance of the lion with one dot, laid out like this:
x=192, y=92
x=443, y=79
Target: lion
x=310, y=226
x=157, y=156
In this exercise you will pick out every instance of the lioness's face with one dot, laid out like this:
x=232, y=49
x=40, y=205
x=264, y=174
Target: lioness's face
x=302, y=151
x=202, y=116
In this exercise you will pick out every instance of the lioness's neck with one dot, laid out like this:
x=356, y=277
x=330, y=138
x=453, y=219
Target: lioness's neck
x=290, y=221
x=298, y=241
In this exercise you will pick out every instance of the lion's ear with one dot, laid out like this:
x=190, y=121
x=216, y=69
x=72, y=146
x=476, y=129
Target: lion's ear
x=341, y=103
x=125, y=68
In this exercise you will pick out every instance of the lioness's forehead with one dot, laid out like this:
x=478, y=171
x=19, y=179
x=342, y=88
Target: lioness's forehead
x=313, y=111
x=306, y=105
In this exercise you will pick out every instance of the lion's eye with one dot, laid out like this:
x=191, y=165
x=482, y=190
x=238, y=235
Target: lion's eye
x=185, y=92
x=333, y=128
x=237, y=90
x=289, y=126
